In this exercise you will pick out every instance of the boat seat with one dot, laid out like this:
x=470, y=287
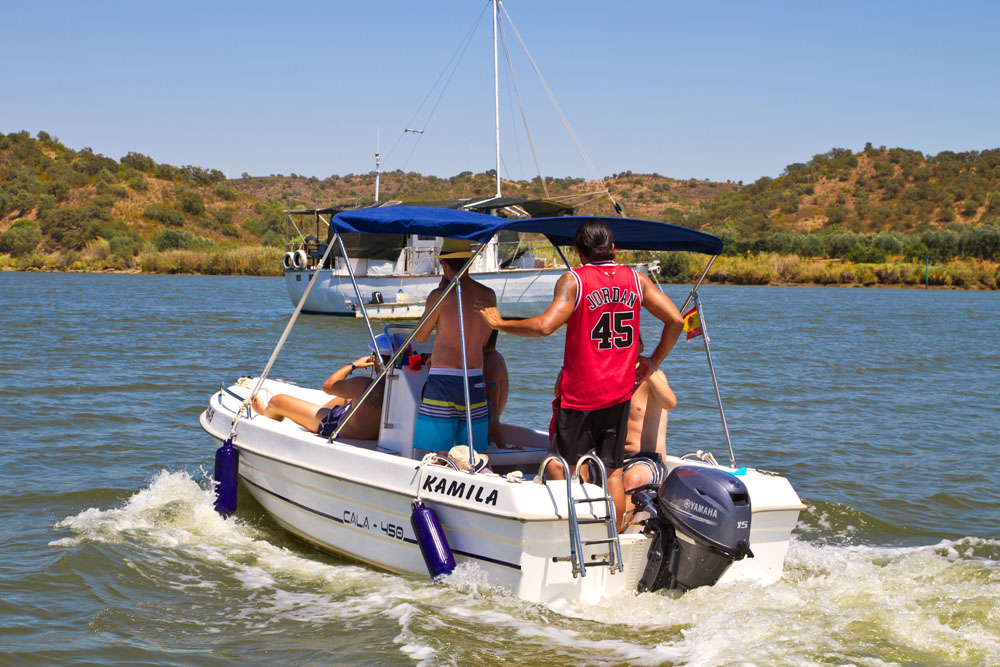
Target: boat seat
x=515, y=457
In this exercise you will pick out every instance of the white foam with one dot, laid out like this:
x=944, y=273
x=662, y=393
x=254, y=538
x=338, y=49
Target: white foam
x=842, y=604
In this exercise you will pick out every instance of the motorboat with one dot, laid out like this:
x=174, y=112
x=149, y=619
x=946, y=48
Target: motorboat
x=547, y=541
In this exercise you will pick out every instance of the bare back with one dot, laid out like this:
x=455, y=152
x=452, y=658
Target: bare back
x=647, y=419
x=447, y=341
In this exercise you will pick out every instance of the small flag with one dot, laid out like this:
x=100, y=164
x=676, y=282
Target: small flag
x=692, y=323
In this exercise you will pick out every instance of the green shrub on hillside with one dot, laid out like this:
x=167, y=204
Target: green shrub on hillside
x=808, y=245
x=65, y=226
x=91, y=163
x=164, y=213
x=139, y=162
x=676, y=267
x=865, y=254
x=124, y=246
x=191, y=202
x=21, y=239
x=270, y=220
x=179, y=239
x=273, y=239
x=226, y=191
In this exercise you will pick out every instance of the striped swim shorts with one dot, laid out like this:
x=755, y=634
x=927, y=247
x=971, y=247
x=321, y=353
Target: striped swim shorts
x=441, y=422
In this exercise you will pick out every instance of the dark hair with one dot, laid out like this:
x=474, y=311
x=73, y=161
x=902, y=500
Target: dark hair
x=456, y=263
x=594, y=241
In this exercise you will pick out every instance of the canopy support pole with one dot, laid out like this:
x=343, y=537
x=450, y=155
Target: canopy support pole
x=465, y=377
x=565, y=261
x=281, y=343
x=697, y=283
x=715, y=382
x=357, y=292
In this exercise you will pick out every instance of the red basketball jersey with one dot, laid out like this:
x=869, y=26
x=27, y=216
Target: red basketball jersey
x=601, y=337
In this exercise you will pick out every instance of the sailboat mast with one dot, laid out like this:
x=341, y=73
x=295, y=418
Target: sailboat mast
x=496, y=92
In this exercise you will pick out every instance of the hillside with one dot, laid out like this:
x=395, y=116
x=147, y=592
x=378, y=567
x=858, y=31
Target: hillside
x=949, y=203
x=57, y=200
x=61, y=208
x=644, y=195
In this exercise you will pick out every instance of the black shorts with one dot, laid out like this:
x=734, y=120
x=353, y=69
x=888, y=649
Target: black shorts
x=576, y=432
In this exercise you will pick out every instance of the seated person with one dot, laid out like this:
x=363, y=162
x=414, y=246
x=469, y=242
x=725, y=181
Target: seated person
x=645, y=444
x=324, y=419
x=497, y=387
x=441, y=416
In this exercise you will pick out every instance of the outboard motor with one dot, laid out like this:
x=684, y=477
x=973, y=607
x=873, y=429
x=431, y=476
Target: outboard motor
x=700, y=524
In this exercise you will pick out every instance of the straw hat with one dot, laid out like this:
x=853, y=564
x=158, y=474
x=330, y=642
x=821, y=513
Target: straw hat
x=460, y=455
x=455, y=249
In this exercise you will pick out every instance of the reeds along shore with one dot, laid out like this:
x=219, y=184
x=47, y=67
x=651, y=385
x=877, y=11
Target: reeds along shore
x=775, y=269
x=97, y=256
x=753, y=269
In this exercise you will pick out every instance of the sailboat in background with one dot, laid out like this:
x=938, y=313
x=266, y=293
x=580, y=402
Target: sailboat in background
x=395, y=273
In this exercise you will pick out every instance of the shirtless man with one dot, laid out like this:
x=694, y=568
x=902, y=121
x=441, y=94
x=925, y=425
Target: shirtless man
x=324, y=419
x=441, y=422
x=645, y=443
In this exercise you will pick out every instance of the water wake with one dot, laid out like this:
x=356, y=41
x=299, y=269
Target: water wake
x=838, y=601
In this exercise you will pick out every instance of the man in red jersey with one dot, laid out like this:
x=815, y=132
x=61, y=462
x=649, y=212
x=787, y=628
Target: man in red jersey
x=599, y=303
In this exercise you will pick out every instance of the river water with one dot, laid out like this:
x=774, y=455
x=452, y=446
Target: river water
x=880, y=406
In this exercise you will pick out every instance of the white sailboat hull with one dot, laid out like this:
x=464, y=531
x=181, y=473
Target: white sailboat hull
x=521, y=293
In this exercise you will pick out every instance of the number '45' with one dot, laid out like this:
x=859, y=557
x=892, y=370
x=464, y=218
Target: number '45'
x=621, y=336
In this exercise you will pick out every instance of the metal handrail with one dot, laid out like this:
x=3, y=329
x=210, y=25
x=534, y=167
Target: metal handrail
x=614, y=546
x=575, y=548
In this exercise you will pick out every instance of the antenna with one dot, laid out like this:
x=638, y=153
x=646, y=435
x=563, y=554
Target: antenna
x=378, y=161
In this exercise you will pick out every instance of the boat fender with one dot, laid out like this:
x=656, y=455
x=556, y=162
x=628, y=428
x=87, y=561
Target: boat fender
x=430, y=537
x=286, y=261
x=299, y=259
x=227, y=466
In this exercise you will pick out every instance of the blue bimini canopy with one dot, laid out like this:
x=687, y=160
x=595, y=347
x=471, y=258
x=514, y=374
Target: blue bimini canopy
x=629, y=234
x=447, y=222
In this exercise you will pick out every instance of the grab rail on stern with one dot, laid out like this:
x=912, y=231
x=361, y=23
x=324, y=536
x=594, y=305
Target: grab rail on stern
x=576, y=557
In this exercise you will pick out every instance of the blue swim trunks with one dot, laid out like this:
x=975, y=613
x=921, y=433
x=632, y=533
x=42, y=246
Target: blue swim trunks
x=331, y=420
x=441, y=415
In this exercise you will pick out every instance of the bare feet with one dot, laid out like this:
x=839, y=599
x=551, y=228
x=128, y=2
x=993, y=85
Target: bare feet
x=262, y=409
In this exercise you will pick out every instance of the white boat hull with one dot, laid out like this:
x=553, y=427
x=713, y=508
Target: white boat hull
x=521, y=293
x=354, y=498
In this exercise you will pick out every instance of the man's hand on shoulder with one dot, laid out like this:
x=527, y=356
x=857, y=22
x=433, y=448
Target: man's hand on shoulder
x=488, y=311
x=643, y=369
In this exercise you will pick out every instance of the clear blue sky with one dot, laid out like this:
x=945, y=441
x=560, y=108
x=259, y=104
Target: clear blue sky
x=716, y=90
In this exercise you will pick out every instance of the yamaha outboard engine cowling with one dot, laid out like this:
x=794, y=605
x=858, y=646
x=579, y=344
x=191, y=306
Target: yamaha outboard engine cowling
x=702, y=525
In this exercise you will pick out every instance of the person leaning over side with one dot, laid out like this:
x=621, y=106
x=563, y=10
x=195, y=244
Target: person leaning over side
x=600, y=304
